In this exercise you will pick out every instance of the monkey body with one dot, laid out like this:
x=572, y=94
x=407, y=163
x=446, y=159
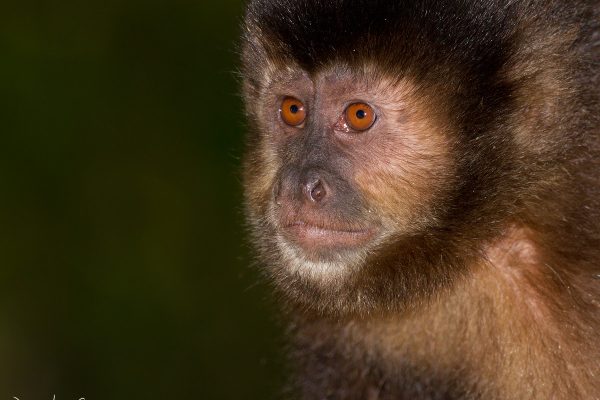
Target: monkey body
x=485, y=339
x=422, y=184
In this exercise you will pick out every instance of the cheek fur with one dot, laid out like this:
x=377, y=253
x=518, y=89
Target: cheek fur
x=260, y=172
x=403, y=172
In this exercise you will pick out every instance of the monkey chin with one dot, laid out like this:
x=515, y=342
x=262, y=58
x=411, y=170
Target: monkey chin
x=322, y=254
x=319, y=264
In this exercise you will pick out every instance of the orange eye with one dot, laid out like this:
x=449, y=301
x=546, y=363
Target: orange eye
x=292, y=111
x=360, y=116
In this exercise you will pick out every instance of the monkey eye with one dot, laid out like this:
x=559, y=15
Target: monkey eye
x=360, y=116
x=292, y=111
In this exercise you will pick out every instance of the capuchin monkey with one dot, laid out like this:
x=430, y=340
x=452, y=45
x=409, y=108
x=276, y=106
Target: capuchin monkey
x=422, y=186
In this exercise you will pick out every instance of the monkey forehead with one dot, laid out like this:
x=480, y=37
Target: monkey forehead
x=366, y=81
x=340, y=80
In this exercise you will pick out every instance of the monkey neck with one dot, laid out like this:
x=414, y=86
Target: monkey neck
x=503, y=323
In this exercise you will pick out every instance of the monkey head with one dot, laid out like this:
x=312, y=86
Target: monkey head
x=379, y=155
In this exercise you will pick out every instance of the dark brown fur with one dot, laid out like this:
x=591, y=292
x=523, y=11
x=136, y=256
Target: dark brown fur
x=488, y=178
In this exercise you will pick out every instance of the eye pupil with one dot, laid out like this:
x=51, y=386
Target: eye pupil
x=294, y=109
x=361, y=114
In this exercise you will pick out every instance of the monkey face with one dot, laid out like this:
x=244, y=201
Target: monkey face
x=381, y=152
x=343, y=165
x=384, y=149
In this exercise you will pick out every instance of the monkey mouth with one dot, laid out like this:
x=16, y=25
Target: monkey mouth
x=311, y=235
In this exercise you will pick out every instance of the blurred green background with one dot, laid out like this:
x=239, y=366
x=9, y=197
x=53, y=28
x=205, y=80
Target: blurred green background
x=123, y=268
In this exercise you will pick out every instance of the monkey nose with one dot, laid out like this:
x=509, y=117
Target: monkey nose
x=315, y=190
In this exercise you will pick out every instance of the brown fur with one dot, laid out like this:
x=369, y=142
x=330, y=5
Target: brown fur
x=482, y=174
x=501, y=333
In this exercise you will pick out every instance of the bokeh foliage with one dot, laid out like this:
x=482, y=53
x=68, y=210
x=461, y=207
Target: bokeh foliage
x=123, y=268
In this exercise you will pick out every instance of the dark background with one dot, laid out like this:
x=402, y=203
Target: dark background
x=123, y=268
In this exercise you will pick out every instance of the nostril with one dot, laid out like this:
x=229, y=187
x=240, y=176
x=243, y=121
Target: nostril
x=316, y=190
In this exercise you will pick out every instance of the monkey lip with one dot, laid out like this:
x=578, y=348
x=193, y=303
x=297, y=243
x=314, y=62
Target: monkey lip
x=323, y=236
